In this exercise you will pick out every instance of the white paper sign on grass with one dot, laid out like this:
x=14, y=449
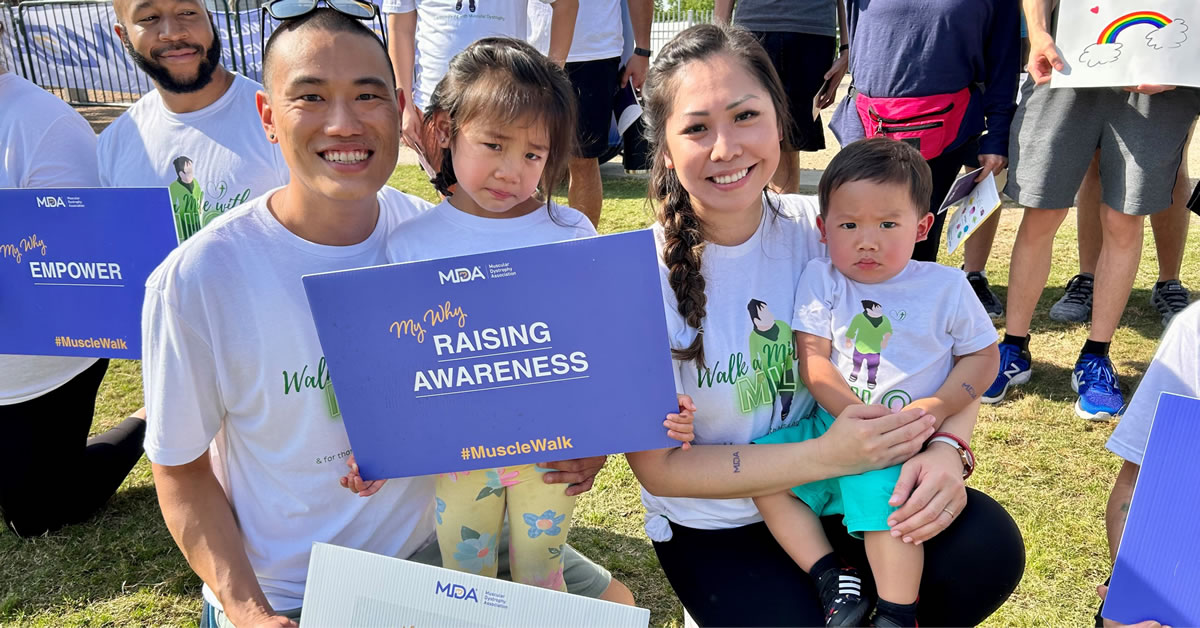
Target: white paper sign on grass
x=349, y=587
x=1112, y=44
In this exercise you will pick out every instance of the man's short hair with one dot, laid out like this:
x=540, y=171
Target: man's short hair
x=322, y=19
x=878, y=160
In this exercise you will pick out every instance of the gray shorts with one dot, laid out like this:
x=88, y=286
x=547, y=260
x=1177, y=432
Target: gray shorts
x=1141, y=138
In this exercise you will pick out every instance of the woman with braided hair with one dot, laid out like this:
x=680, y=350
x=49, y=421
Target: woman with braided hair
x=715, y=112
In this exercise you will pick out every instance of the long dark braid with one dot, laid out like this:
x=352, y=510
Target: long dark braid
x=683, y=230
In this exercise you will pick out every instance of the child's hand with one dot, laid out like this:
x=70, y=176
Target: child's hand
x=680, y=426
x=356, y=484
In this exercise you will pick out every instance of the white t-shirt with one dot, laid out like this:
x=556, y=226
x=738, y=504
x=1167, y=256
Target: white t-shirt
x=43, y=143
x=735, y=401
x=446, y=27
x=1174, y=370
x=445, y=232
x=232, y=365
x=920, y=320
x=231, y=159
x=598, y=30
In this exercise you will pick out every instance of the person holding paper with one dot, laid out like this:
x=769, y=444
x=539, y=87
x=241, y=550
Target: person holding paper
x=198, y=131
x=47, y=404
x=1140, y=133
x=941, y=76
x=935, y=352
x=499, y=162
x=802, y=40
x=246, y=462
x=717, y=112
x=1174, y=369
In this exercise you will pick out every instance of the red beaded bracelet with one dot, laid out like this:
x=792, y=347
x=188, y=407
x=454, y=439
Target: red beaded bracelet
x=964, y=450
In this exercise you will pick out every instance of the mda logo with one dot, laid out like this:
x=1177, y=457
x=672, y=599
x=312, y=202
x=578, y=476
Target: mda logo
x=460, y=275
x=50, y=201
x=455, y=591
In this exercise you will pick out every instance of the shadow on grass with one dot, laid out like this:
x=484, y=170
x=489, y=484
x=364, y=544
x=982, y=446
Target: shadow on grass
x=123, y=548
x=632, y=561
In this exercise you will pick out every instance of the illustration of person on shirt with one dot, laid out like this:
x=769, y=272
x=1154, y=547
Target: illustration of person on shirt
x=187, y=197
x=772, y=353
x=868, y=334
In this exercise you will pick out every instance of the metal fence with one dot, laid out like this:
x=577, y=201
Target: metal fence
x=669, y=23
x=69, y=47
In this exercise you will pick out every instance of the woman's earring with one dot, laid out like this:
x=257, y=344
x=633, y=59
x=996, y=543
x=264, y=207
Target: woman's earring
x=271, y=137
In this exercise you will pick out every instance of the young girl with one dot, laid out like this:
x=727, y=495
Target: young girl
x=504, y=119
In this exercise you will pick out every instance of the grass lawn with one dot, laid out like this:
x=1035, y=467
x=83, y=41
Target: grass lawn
x=1049, y=468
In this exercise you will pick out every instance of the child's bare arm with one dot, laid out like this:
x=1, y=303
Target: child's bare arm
x=821, y=377
x=971, y=375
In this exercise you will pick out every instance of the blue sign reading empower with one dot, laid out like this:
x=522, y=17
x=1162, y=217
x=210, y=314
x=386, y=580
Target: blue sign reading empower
x=513, y=357
x=73, y=268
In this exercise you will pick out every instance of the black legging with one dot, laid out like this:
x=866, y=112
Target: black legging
x=51, y=473
x=945, y=169
x=742, y=577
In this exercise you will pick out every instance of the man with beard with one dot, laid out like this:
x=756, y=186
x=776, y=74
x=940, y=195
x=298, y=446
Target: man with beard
x=198, y=109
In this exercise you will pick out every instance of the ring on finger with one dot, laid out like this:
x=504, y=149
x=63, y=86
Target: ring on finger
x=949, y=512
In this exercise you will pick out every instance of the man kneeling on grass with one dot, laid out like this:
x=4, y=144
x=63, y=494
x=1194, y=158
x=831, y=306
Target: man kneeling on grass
x=240, y=458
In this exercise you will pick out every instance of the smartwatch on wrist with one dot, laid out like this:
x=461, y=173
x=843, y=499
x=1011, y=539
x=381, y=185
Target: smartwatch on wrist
x=641, y=52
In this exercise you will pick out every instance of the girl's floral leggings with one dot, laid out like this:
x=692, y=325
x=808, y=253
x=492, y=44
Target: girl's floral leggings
x=470, y=513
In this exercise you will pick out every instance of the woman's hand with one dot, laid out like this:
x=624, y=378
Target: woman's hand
x=990, y=164
x=932, y=492
x=863, y=438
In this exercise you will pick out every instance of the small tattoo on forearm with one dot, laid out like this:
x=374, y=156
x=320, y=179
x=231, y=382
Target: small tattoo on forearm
x=737, y=462
x=1125, y=507
x=970, y=390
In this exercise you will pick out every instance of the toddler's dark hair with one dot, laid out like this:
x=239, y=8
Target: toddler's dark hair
x=878, y=160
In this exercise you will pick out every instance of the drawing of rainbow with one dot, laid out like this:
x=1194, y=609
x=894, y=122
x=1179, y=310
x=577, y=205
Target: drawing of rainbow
x=1110, y=32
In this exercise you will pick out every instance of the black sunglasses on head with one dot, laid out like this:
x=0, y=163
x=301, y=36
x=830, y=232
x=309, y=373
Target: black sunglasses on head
x=290, y=9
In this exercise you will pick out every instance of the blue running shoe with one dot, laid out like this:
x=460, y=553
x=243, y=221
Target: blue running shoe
x=1095, y=380
x=1015, y=369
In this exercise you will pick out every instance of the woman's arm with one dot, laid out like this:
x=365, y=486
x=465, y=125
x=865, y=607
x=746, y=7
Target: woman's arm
x=931, y=491
x=860, y=439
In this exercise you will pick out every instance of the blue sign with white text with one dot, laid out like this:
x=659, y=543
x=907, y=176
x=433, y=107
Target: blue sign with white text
x=1157, y=571
x=521, y=356
x=73, y=268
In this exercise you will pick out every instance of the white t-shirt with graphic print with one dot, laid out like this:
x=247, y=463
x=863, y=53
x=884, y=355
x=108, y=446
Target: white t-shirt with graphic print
x=445, y=232
x=211, y=160
x=739, y=395
x=909, y=327
x=232, y=366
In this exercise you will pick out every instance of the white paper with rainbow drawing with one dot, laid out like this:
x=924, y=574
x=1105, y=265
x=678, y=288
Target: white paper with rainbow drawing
x=1116, y=43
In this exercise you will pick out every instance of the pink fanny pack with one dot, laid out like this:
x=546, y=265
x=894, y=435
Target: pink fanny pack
x=928, y=123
